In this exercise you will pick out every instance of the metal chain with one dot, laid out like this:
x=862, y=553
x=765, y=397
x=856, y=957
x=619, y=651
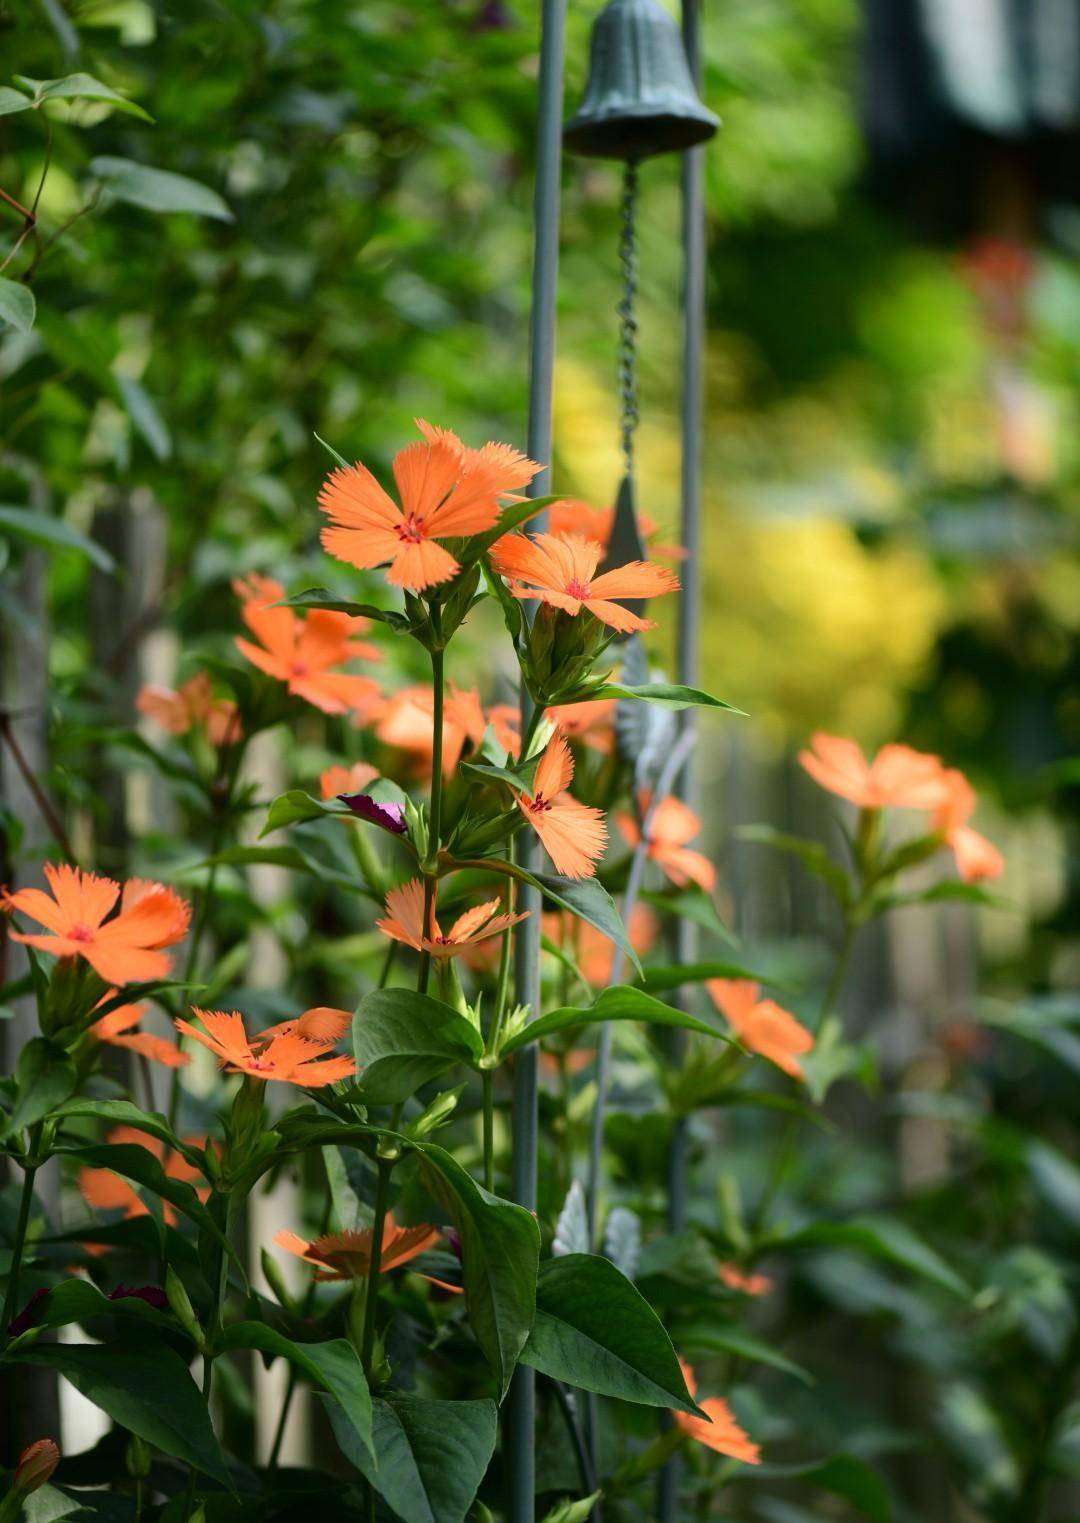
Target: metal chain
x=627, y=320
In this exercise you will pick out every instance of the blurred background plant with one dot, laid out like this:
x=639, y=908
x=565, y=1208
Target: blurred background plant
x=890, y=552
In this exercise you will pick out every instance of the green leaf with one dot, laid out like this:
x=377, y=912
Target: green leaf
x=589, y=900
x=297, y=859
x=320, y=597
x=44, y=1078
x=44, y=529
x=500, y=1247
x=158, y=190
x=432, y=1455
x=79, y=87
x=883, y=1237
x=330, y=450
x=79, y=1300
x=17, y=305
x=148, y=1391
x=728, y=1338
x=513, y=517
x=402, y=1040
x=573, y=1512
x=145, y=416
x=124, y=1113
x=595, y=1330
x=847, y=1477
x=694, y=904
x=812, y=854
x=13, y=100
x=668, y=695
x=334, y=1365
x=618, y=1004
x=296, y=806
x=660, y=979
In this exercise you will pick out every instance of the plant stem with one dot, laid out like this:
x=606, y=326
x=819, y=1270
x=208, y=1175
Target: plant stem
x=388, y=965
x=26, y=1201
x=41, y=798
x=431, y=862
x=382, y=1197
x=487, y=1078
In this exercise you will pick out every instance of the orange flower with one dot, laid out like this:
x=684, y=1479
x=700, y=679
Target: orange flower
x=347, y=1255
x=573, y=834
x=573, y=517
x=897, y=778
x=123, y=950
x=405, y=922
x=750, y=1284
x=575, y=1061
x=288, y=1057
x=322, y=1026
x=562, y=573
x=976, y=857
x=446, y=491
x=408, y=722
x=193, y=703
x=115, y=1029
x=761, y=1024
x=721, y=1432
x=107, y=1191
x=505, y=720
x=591, y=949
x=672, y=825
x=590, y=722
x=303, y=652
x=337, y=780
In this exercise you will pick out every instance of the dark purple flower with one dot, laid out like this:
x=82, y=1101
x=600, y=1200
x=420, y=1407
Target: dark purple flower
x=453, y=1238
x=493, y=16
x=153, y=1295
x=29, y=1315
x=389, y=816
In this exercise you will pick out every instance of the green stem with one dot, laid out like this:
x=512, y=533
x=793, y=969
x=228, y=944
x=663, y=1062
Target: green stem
x=382, y=1199
x=430, y=866
x=26, y=1201
x=487, y=1078
x=840, y=970
x=219, y=1291
x=388, y=965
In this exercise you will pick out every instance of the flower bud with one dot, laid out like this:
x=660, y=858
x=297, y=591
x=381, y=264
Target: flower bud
x=182, y=1309
x=137, y=1457
x=36, y=1465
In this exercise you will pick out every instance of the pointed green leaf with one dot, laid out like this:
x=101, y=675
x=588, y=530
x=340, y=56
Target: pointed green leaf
x=13, y=100
x=618, y=1004
x=432, y=1455
x=44, y=529
x=402, y=1040
x=44, y=1077
x=670, y=695
x=158, y=190
x=17, y=305
x=334, y=1365
x=500, y=1246
x=79, y=87
x=148, y=1391
x=595, y=1330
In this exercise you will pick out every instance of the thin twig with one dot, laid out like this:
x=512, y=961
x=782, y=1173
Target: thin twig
x=41, y=799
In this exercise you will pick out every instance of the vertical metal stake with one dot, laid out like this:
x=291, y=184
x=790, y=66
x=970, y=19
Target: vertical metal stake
x=689, y=632
x=519, y=1436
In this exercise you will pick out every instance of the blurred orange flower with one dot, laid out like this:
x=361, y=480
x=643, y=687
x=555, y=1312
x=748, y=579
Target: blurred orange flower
x=750, y=1284
x=590, y=948
x=337, y=780
x=123, y=950
x=590, y=722
x=347, y=1255
x=35, y=1466
x=573, y=834
x=672, y=825
x=574, y=517
x=405, y=922
x=447, y=491
x=897, y=778
x=721, y=1432
x=976, y=857
x=116, y=1029
x=304, y=652
x=288, y=1057
x=107, y=1191
x=761, y=1025
x=408, y=722
x=562, y=570
x=192, y=703
x=323, y=1025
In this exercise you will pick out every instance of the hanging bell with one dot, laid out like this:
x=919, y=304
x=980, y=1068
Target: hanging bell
x=640, y=98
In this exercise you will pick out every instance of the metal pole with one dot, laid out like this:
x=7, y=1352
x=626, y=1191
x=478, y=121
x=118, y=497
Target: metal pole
x=689, y=629
x=521, y=1399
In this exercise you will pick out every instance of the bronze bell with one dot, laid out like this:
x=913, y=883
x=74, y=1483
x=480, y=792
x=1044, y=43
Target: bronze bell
x=640, y=98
